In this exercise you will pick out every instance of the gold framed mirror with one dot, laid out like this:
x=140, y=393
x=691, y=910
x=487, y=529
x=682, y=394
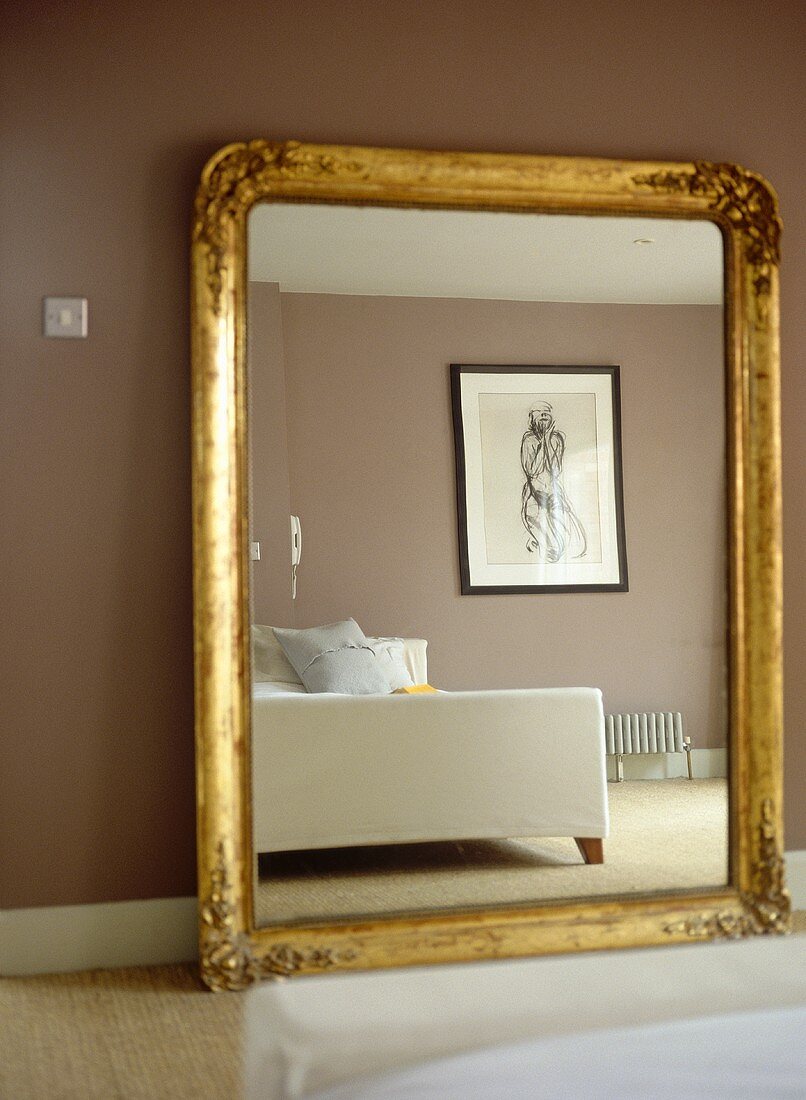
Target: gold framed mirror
x=301, y=181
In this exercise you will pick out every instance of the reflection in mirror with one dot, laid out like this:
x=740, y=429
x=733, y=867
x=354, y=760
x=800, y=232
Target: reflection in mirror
x=505, y=785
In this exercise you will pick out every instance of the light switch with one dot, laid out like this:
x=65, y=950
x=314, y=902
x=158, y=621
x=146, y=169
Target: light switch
x=255, y=548
x=65, y=317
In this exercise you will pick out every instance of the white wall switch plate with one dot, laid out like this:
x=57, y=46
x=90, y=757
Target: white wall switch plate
x=255, y=551
x=65, y=317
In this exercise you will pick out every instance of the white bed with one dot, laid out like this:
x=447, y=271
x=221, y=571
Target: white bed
x=332, y=771
x=702, y=1020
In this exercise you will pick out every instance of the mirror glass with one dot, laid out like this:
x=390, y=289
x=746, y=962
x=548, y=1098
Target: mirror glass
x=550, y=533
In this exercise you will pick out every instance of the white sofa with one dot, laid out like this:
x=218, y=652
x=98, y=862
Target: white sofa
x=332, y=771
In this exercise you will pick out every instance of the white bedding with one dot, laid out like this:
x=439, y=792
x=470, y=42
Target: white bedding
x=703, y=1020
x=266, y=688
x=740, y=1056
x=334, y=771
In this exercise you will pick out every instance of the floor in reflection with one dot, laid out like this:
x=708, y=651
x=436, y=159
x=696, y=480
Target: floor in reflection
x=664, y=835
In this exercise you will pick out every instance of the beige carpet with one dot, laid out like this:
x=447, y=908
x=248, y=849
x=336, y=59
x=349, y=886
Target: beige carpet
x=138, y=1034
x=665, y=835
x=146, y=1033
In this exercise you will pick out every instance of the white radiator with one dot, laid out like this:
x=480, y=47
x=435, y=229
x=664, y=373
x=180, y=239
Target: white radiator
x=656, y=731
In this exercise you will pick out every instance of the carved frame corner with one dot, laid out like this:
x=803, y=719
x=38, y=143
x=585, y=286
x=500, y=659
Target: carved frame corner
x=744, y=202
x=766, y=909
x=227, y=961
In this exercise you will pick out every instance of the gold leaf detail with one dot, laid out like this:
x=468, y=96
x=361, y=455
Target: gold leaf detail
x=744, y=200
x=230, y=186
x=283, y=959
x=766, y=911
x=226, y=956
x=770, y=898
x=724, y=924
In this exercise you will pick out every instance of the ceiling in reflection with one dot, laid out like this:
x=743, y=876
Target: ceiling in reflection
x=319, y=249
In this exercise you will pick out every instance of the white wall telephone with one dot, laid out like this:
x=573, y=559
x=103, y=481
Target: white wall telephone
x=296, y=553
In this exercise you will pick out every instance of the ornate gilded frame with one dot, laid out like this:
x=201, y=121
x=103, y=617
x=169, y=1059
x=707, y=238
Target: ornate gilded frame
x=233, y=952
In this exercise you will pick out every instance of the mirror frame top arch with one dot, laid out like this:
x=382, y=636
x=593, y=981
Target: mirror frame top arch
x=234, y=953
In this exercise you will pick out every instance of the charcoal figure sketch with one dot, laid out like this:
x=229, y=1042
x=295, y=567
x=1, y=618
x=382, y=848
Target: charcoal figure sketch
x=554, y=530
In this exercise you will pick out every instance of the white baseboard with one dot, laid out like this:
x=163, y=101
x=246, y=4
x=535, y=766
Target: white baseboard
x=705, y=763
x=150, y=933
x=92, y=937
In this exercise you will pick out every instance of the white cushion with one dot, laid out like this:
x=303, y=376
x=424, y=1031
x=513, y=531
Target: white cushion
x=391, y=656
x=334, y=658
x=269, y=662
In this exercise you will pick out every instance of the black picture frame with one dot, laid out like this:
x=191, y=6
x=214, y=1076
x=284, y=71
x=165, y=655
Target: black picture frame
x=550, y=528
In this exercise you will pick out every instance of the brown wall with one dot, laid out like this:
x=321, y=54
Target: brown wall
x=372, y=476
x=270, y=493
x=108, y=113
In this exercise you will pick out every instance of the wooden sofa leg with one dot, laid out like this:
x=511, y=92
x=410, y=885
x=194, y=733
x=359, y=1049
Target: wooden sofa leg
x=591, y=848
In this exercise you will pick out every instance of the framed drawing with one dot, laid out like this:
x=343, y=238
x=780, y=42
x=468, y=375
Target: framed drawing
x=539, y=479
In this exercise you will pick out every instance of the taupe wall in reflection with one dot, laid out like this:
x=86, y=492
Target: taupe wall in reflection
x=270, y=490
x=372, y=477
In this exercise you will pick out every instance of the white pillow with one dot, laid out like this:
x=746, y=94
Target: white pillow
x=334, y=658
x=389, y=652
x=269, y=662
